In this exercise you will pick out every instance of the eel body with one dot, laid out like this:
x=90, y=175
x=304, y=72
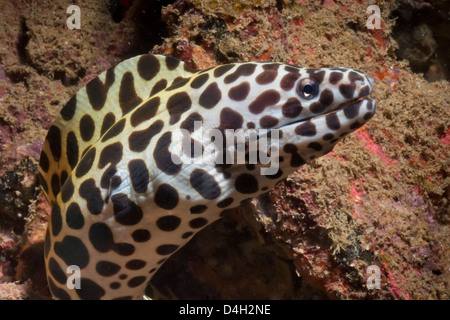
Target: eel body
x=127, y=191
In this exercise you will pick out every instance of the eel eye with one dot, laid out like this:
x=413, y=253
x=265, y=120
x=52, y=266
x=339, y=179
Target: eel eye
x=307, y=89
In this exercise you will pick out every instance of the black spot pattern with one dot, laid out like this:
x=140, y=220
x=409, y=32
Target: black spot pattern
x=55, y=183
x=168, y=223
x=124, y=249
x=204, y=184
x=264, y=100
x=189, y=122
x=72, y=251
x=178, y=82
x=335, y=77
x=230, y=119
x=210, y=96
x=268, y=122
x=347, y=90
x=224, y=203
x=56, y=271
x=139, y=140
x=159, y=86
x=352, y=111
x=315, y=146
x=288, y=80
x=74, y=217
x=136, y=281
x=186, y=235
x=139, y=175
x=326, y=97
x=246, y=184
x=353, y=76
x=89, y=290
x=355, y=125
x=171, y=62
x=365, y=91
x=332, y=121
x=67, y=190
x=101, y=237
x=198, y=209
x=291, y=108
x=296, y=160
x=276, y=175
x=198, y=223
x=199, y=81
x=128, y=98
x=245, y=69
x=87, y=127
x=163, y=157
x=44, y=162
x=110, y=154
x=97, y=91
x=107, y=268
x=89, y=192
x=145, y=112
x=54, y=140
x=307, y=129
x=107, y=177
x=368, y=115
x=115, y=130
x=124, y=298
x=56, y=219
x=68, y=111
x=271, y=66
x=177, y=104
x=135, y=264
x=239, y=92
x=221, y=70
x=126, y=212
x=316, y=75
x=85, y=164
x=266, y=77
x=71, y=149
x=57, y=292
x=47, y=243
x=141, y=235
x=148, y=66
x=63, y=177
x=166, y=197
x=166, y=249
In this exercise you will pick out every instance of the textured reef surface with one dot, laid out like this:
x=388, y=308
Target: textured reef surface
x=380, y=198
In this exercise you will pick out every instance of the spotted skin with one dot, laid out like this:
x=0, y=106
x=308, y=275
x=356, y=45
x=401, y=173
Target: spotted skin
x=122, y=203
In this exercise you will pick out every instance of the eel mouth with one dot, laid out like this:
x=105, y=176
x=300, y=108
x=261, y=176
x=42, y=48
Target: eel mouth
x=344, y=106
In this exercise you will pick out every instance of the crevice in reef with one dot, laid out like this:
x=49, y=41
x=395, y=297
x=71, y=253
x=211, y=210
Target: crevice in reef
x=19, y=74
x=421, y=32
x=17, y=190
x=150, y=28
x=23, y=42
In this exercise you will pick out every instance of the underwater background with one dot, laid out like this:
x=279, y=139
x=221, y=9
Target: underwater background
x=380, y=198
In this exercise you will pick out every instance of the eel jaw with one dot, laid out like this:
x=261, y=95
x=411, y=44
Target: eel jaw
x=344, y=106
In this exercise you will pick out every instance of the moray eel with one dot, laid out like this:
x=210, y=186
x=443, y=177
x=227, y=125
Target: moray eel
x=125, y=197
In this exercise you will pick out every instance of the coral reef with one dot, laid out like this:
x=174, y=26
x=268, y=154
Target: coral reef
x=380, y=198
